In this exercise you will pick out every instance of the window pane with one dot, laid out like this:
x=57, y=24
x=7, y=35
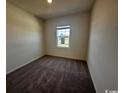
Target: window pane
x=63, y=33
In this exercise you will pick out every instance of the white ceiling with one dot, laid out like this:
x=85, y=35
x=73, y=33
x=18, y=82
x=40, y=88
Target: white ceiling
x=58, y=8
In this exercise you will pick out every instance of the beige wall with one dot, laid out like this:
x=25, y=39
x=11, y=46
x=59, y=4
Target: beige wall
x=103, y=49
x=78, y=39
x=24, y=38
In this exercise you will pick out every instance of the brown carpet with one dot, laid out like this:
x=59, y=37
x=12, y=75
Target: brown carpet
x=51, y=75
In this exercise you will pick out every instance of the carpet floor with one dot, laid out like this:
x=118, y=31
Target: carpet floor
x=51, y=74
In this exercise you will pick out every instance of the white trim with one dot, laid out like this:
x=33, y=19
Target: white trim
x=59, y=27
x=23, y=65
x=63, y=26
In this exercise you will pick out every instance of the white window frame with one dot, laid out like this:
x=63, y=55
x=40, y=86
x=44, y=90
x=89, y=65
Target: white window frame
x=62, y=26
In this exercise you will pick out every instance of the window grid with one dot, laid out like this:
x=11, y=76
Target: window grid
x=63, y=34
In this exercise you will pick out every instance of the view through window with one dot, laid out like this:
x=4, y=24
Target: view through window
x=63, y=33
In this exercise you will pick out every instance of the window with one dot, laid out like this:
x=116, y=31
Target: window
x=63, y=33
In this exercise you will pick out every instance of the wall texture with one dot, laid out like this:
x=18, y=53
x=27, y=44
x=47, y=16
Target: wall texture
x=103, y=47
x=78, y=39
x=24, y=38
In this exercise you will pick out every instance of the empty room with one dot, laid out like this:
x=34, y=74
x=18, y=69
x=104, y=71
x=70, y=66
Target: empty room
x=61, y=46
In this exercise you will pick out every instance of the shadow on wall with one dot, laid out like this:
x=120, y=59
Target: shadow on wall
x=103, y=47
x=24, y=38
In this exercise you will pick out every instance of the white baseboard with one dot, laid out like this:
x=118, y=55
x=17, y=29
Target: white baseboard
x=23, y=64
